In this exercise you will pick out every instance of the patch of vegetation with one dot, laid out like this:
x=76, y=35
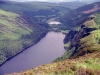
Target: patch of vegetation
x=64, y=31
x=97, y=19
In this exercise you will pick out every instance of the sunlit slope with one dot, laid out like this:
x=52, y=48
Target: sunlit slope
x=12, y=26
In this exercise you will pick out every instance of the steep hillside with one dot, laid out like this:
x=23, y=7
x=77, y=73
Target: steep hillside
x=88, y=35
x=79, y=40
x=16, y=34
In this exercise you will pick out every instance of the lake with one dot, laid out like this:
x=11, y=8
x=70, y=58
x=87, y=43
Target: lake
x=44, y=52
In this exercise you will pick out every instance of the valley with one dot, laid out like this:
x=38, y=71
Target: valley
x=22, y=28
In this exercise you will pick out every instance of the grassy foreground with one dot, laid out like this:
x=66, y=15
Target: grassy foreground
x=86, y=65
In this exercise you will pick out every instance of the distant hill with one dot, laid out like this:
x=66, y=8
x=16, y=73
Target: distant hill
x=72, y=5
x=41, y=11
x=79, y=14
x=89, y=2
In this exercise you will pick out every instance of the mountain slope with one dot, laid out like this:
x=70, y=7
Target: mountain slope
x=11, y=28
x=11, y=23
x=16, y=34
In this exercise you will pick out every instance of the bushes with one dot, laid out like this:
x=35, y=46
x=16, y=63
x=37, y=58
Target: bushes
x=97, y=19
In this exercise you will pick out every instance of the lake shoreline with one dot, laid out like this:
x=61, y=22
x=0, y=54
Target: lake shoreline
x=42, y=36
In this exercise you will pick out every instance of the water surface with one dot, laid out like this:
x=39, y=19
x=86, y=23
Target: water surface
x=47, y=49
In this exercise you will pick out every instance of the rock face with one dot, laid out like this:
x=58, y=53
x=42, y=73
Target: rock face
x=70, y=36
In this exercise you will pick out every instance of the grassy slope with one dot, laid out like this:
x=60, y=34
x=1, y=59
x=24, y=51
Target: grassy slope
x=10, y=24
x=93, y=38
x=12, y=27
x=84, y=56
x=16, y=34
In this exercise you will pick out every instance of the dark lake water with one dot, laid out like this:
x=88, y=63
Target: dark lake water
x=47, y=49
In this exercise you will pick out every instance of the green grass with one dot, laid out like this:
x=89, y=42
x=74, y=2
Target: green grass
x=64, y=31
x=91, y=24
x=91, y=64
x=11, y=27
x=8, y=14
x=67, y=45
x=97, y=19
x=93, y=39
